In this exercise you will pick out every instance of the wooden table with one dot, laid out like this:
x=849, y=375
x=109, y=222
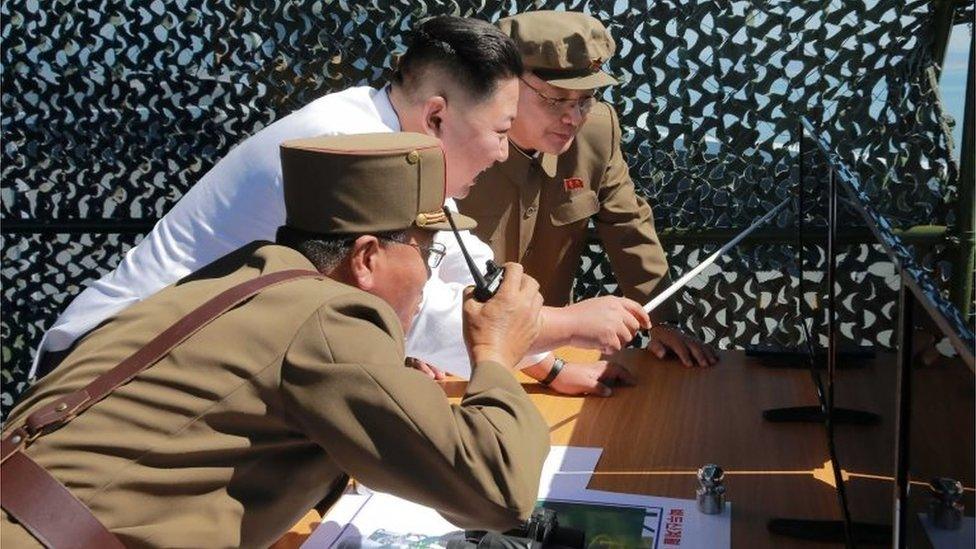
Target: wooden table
x=655, y=436
x=942, y=434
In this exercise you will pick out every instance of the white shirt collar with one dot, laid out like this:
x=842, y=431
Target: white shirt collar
x=385, y=108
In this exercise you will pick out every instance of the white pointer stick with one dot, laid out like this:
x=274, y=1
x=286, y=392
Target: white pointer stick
x=661, y=297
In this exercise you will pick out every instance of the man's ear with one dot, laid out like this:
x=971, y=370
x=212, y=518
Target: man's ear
x=433, y=115
x=364, y=259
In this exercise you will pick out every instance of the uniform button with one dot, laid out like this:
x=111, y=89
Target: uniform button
x=530, y=211
x=413, y=157
x=16, y=439
x=61, y=407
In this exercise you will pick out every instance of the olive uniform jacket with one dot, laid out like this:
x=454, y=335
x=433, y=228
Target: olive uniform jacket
x=229, y=439
x=534, y=211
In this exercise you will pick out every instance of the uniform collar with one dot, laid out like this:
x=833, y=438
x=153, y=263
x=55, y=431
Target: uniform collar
x=381, y=99
x=519, y=161
x=548, y=164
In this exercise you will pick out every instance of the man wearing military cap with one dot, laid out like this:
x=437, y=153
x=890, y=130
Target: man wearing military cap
x=565, y=168
x=244, y=425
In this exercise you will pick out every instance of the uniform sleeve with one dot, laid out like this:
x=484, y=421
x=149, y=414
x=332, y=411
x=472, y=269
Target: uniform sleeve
x=625, y=224
x=478, y=463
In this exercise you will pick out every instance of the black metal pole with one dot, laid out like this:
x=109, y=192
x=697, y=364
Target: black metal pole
x=831, y=305
x=906, y=327
x=965, y=256
x=800, y=212
x=832, y=353
x=807, y=330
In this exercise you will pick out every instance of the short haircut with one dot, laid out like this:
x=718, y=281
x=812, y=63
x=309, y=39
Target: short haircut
x=327, y=251
x=475, y=54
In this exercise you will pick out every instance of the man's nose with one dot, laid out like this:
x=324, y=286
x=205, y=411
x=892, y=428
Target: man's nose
x=574, y=115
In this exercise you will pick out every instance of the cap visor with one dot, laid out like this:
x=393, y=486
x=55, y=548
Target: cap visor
x=588, y=82
x=463, y=222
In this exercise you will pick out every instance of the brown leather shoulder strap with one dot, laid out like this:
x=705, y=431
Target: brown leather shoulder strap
x=32, y=496
x=64, y=409
x=47, y=509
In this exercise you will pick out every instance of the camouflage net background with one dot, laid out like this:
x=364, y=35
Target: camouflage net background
x=111, y=111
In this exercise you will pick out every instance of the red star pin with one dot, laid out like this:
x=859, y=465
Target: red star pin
x=572, y=184
x=596, y=64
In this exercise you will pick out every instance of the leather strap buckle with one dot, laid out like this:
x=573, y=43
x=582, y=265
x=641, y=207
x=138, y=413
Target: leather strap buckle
x=53, y=415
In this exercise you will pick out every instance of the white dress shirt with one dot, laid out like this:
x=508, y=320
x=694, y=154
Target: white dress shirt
x=240, y=200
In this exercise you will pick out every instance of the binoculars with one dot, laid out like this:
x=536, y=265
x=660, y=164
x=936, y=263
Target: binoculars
x=541, y=531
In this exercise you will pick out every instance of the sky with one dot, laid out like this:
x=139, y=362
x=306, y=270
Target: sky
x=953, y=81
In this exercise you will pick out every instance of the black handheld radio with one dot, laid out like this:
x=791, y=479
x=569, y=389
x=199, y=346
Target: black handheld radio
x=485, y=285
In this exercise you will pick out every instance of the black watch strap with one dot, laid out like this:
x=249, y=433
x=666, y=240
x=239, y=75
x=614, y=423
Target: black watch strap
x=676, y=326
x=557, y=366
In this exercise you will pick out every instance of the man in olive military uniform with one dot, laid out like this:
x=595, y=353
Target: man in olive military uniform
x=564, y=169
x=230, y=437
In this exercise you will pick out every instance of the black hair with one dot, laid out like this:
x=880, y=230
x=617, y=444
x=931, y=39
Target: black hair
x=476, y=54
x=326, y=251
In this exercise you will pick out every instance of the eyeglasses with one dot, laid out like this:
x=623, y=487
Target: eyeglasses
x=559, y=106
x=432, y=254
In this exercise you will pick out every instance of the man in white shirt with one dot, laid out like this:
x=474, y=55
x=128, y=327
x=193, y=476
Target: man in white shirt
x=458, y=82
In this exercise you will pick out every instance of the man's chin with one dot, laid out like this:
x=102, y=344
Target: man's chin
x=461, y=192
x=406, y=321
x=406, y=324
x=558, y=144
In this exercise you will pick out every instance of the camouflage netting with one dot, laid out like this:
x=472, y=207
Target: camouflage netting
x=112, y=110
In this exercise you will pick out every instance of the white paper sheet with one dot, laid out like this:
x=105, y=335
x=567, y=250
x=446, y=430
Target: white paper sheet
x=383, y=520
x=566, y=469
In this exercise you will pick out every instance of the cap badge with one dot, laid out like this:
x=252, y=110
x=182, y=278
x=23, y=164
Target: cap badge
x=430, y=218
x=596, y=64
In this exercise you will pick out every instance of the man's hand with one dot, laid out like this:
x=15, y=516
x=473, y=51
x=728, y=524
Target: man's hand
x=434, y=372
x=502, y=328
x=591, y=378
x=605, y=323
x=583, y=378
x=690, y=350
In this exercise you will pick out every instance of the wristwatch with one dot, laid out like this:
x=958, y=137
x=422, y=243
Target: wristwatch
x=557, y=366
x=668, y=324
